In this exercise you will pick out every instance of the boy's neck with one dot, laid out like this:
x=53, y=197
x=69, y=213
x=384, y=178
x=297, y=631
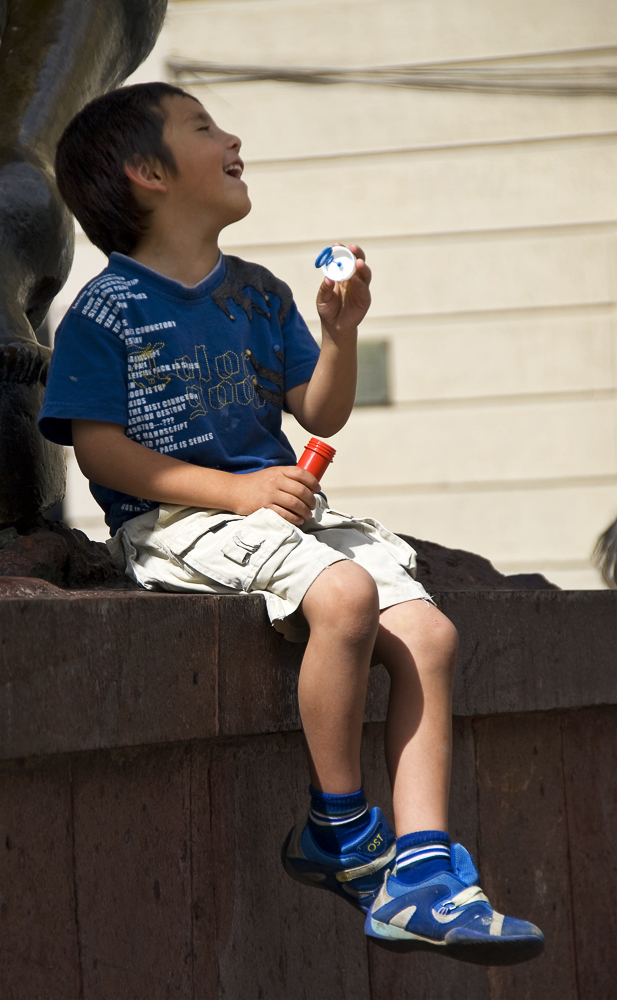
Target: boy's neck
x=185, y=260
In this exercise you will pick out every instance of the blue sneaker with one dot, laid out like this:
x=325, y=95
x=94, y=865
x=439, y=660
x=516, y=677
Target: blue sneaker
x=450, y=915
x=355, y=876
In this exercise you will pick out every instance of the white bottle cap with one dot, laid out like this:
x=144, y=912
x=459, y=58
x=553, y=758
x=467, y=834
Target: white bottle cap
x=337, y=263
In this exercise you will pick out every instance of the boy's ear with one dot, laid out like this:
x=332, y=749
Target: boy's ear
x=147, y=175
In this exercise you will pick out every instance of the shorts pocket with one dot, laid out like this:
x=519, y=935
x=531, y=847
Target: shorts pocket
x=235, y=553
x=183, y=533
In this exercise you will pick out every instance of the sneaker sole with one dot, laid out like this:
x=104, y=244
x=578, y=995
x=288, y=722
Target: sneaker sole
x=501, y=951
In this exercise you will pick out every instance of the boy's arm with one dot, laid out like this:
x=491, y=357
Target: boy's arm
x=106, y=456
x=322, y=405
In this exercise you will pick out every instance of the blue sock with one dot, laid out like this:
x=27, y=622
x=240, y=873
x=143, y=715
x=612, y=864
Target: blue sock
x=336, y=820
x=419, y=856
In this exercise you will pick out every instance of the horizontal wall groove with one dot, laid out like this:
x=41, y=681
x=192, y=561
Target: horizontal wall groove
x=577, y=310
x=382, y=241
x=471, y=145
x=505, y=399
x=386, y=491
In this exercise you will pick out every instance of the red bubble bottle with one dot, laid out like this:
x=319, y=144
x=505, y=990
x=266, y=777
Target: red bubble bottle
x=317, y=457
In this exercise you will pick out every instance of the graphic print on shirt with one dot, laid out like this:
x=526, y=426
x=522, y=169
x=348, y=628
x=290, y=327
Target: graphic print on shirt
x=105, y=299
x=232, y=382
x=158, y=416
x=155, y=422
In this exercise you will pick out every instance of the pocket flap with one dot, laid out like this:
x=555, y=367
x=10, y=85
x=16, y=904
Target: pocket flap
x=242, y=545
x=181, y=535
x=236, y=556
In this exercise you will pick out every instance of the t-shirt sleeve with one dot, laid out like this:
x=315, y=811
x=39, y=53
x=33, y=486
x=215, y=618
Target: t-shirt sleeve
x=301, y=349
x=87, y=379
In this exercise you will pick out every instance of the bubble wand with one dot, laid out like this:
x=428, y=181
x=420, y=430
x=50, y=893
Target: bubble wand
x=337, y=263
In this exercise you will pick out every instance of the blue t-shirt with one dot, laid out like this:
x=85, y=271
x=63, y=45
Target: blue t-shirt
x=195, y=372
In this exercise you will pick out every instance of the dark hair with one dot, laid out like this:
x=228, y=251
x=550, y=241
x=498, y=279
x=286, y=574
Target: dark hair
x=107, y=133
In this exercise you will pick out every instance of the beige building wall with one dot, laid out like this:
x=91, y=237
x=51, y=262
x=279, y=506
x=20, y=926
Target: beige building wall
x=490, y=222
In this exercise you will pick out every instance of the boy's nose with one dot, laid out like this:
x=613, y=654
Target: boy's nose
x=233, y=141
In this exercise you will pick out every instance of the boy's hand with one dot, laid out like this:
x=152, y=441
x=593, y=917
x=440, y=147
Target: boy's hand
x=285, y=489
x=342, y=305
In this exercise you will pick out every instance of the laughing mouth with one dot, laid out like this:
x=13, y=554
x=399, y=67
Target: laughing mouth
x=234, y=169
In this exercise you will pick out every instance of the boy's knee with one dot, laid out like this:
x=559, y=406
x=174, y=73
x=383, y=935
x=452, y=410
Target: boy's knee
x=441, y=640
x=426, y=632
x=446, y=635
x=349, y=590
x=344, y=597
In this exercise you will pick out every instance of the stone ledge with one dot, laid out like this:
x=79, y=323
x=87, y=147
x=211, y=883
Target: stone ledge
x=116, y=669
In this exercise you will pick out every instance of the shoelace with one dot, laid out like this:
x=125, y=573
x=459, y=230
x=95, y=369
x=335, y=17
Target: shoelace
x=471, y=894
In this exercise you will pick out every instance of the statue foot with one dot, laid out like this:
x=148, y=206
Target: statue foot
x=24, y=363
x=32, y=469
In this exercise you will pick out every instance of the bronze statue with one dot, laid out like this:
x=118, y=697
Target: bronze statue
x=55, y=55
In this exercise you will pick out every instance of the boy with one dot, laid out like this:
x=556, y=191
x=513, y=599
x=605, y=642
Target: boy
x=169, y=375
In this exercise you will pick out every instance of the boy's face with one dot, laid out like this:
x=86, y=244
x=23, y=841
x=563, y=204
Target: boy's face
x=209, y=166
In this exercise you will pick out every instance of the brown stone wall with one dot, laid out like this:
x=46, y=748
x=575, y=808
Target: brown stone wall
x=153, y=872
x=151, y=765
x=98, y=670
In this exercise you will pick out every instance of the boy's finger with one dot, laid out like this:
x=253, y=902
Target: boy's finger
x=326, y=290
x=282, y=512
x=299, y=492
x=294, y=505
x=364, y=272
x=357, y=251
x=299, y=498
x=303, y=476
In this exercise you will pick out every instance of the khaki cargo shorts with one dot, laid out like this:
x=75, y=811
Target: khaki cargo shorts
x=191, y=550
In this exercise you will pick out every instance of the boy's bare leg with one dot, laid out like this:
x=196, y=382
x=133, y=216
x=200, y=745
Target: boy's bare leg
x=432, y=898
x=418, y=645
x=342, y=609
x=344, y=846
